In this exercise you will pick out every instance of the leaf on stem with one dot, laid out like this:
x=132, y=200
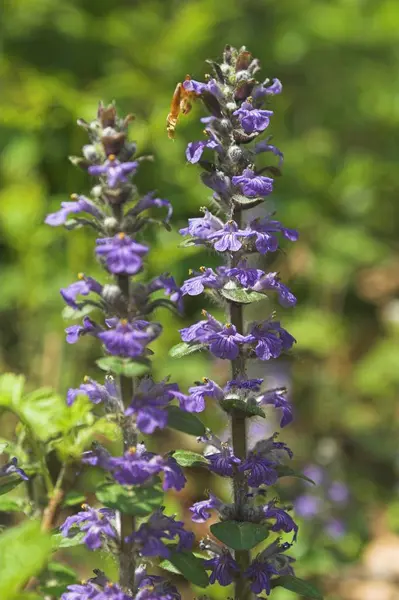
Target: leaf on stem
x=184, y=421
x=240, y=535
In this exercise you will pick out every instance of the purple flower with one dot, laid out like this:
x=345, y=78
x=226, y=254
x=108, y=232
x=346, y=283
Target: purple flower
x=173, y=475
x=96, y=524
x=82, y=287
x=155, y=588
x=225, y=343
x=129, y=339
x=271, y=281
x=149, y=404
x=74, y=332
x=191, y=85
x=114, y=170
x=277, y=398
x=272, y=450
x=12, y=467
x=207, y=389
x=201, y=331
x=245, y=275
x=202, y=227
x=253, y=119
x=148, y=201
x=98, y=457
x=260, y=91
x=260, y=572
x=79, y=204
x=149, y=535
x=223, y=462
x=136, y=466
x=167, y=282
x=335, y=528
x=260, y=470
x=84, y=591
x=284, y=522
x=308, y=506
x=338, y=492
x=270, y=339
x=252, y=184
x=195, y=150
x=217, y=181
x=270, y=561
x=315, y=473
x=224, y=568
x=121, y=254
x=264, y=146
x=244, y=384
x=263, y=230
x=94, y=391
x=230, y=237
x=206, y=278
x=201, y=509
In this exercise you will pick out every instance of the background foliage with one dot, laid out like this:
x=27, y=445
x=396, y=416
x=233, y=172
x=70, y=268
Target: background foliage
x=337, y=123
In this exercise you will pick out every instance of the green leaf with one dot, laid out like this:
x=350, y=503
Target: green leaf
x=186, y=458
x=69, y=313
x=56, y=578
x=284, y=471
x=74, y=498
x=9, y=483
x=239, y=535
x=59, y=541
x=249, y=409
x=24, y=551
x=3, y=446
x=299, y=586
x=241, y=296
x=247, y=202
x=183, y=349
x=11, y=389
x=184, y=421
x=35, y=405
x=191, y=567
x=11, y=505
x=122, y=366
x=139, y=501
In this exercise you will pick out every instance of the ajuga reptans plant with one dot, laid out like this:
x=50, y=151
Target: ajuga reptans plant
x=132, y=525
x=235, y=166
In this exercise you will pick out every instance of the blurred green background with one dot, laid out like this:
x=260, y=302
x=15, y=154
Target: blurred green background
x=337, y=123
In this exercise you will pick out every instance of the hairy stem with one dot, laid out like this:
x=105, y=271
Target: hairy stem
x=127, y=556
x=239, y=440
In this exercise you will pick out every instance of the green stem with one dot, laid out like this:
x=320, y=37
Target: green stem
x=239, y=441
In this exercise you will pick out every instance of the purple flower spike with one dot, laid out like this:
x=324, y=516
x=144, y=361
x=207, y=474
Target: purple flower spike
x=201, y=509
x=278, y=399
x=12, y=467
x=253, y=185
x=229, y=238
x=84, y=591
x=136, y=466
x=96, y=524
x=271, y=281
x=121, y=254
x=114, y=170
x=223, y=462
x=82, y=287
x=108, y=393
x=129, y=339
x=79, y=204
x=253, y=119
x=224, y=568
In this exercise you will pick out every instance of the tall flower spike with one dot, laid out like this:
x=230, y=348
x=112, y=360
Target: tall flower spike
x=238, y=115
x=129, y=395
